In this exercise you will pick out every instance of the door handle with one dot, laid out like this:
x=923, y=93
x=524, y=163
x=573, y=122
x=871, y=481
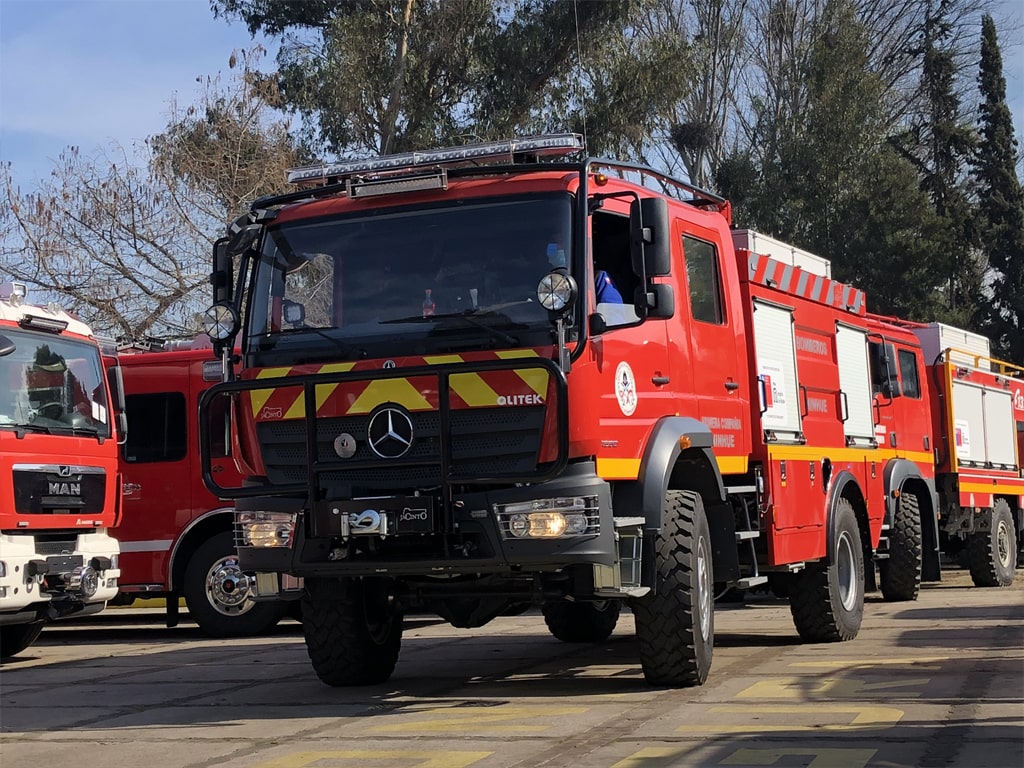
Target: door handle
x=732, y=385
x=659, y=381
x=129, y=488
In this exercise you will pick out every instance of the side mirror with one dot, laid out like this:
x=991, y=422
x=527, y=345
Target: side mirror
x=223, y=272
x=656, y=301
x=650, y=241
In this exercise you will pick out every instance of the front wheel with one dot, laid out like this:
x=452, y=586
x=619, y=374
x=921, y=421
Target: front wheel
x=992, y=554
x=900, y=574
x=827, y=601
x=581, y=622
x=353, y=631
x=15, y=638
x=675, y=621
x=218, y=596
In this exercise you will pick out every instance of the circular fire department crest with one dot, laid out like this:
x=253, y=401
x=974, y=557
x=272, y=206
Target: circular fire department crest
x=625, y=388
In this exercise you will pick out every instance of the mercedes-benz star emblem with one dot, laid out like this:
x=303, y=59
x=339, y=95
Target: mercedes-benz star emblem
x=390, y=433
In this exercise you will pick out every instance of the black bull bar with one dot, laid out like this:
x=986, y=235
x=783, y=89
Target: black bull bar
x=557, y=387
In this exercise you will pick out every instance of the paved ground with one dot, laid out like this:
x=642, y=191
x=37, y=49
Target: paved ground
x=939, y=682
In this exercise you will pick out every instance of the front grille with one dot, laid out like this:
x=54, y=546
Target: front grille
x=484, y=442
x=53, y=489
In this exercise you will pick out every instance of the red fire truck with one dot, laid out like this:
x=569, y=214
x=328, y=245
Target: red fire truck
x=59, y=481
x=977, y=406
x=175, y=536
x=433, y=411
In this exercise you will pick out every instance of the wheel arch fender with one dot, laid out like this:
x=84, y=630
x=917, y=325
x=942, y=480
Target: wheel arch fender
x=903, y=475
x=845, y=486
x=204, y=527
x=663, y=467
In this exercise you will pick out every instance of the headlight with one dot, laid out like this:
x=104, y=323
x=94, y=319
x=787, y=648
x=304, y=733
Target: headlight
x=559, y=517
x=264, y=529
x=220, y=322
x=556, y=291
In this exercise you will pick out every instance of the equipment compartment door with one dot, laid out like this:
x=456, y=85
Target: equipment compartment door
x=776, y=370
x=855, y=385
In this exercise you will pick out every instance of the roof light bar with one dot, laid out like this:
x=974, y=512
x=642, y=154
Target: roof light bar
x=392, y=186
x=48, y=324
x=469, y=154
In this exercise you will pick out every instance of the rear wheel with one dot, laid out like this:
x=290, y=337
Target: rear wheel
x=353, y=633
x=675, y=622
x=827, y=601
x=992, y=554
x=218, y=596
x=581, y=622
x=900, y=574
x=15, y=638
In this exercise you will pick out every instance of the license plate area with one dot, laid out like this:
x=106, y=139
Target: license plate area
x=377, y=516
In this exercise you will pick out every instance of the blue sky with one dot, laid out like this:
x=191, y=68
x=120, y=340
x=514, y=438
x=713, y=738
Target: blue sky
x=92, y=72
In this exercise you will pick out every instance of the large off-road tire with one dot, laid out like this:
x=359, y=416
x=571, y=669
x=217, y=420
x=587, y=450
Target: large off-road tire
x=827, y=601
x=992, y=554
x=353, y=634
x=218, y=597
x=900, y=574
x=581, y=622
x=15, y=638
x=675, y=621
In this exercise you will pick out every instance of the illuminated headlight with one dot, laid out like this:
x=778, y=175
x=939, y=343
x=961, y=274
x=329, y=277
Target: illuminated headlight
x=559, y=517
x=220, y=322
x=265, y=529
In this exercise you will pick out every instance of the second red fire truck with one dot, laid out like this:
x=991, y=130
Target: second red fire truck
x=175, y=536
x=432, y=410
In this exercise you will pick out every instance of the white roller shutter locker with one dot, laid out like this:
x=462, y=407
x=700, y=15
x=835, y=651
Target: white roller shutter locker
x=776, y=369
x=984, y=426
x=855, y=383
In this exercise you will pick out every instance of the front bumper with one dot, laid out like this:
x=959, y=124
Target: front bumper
x=39, y=582
x=466, y=537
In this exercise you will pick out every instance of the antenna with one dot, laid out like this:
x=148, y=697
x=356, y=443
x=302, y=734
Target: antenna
x=579, y=72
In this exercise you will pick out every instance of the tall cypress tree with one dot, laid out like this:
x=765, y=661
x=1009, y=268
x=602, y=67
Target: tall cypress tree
x=1000, y=202
x=947, y=147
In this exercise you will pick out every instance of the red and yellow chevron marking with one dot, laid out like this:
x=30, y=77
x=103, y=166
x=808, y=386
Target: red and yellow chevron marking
x=797, y=281
x=484, y=389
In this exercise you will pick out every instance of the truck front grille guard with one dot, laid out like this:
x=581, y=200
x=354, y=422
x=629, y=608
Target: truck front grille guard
x=442, y=462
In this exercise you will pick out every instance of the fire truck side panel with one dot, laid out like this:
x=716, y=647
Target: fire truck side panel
x=165, y=497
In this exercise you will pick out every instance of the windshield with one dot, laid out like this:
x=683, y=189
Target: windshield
x=412, y=281
x=52, y=384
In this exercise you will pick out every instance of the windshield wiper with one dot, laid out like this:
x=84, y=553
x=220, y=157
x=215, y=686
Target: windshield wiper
x=469, y=316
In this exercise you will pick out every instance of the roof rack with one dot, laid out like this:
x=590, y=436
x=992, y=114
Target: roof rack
x=529, y=148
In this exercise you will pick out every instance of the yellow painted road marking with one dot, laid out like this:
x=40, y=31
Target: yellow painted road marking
x=652, y=757
x=486, y=719
x=864, y=718
x=823, y=758
x=412, y=758
x=853, y=663
x=802, y=688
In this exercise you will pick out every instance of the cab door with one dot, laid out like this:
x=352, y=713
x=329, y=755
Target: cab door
x=155, y=465
x=716, y=353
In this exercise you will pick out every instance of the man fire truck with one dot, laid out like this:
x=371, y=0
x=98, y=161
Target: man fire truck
x=432, y=412
x=175, y=536
x=59, y=482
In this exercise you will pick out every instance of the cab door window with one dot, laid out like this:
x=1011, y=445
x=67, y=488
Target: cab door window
x=704, y=280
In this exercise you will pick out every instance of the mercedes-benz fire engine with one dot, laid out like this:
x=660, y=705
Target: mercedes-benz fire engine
x=432, y=411
x=59, y=481
x=175, y=536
